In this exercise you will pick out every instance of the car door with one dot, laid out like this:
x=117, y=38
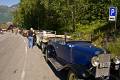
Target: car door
x=59, y=49
x=67, y=53
x=63, y=51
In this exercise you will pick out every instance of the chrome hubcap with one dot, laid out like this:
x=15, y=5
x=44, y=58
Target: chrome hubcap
x=72, y=77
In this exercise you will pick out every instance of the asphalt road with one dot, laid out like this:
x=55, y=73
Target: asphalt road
x=18, y=62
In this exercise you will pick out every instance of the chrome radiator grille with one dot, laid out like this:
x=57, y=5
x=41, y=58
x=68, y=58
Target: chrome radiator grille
x=104, y=68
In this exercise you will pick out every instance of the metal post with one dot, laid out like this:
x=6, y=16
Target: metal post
x=115, y=24
x=38, y=23
x=73, y=20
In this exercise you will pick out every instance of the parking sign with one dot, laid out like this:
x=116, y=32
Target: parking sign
x=112, y=13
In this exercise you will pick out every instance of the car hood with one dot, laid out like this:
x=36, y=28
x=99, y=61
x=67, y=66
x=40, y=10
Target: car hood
x=83, y=54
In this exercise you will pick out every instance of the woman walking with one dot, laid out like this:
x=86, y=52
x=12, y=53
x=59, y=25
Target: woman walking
x=30, y=38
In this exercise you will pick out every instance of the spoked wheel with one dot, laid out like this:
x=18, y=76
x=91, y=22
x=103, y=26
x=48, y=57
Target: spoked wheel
x=117, y=76
x=119, y=73
x=73, y=76
x=46, y=55
x=43, y=47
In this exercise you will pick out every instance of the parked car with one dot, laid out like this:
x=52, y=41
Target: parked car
x=80, y=59
x=43, y=37
x=24, y=33
x=1, y=31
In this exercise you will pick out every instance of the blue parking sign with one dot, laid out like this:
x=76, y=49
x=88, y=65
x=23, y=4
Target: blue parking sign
x=112, y=13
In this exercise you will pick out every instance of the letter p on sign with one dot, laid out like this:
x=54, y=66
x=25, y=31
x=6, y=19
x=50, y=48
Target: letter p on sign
x=112, y=13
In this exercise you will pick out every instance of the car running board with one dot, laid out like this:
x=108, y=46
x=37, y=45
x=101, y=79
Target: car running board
x=56, y=64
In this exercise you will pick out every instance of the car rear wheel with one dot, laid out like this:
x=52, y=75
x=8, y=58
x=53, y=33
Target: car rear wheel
x=46, y=55
x=73, y=76
x=119, y=73
x=42, y=47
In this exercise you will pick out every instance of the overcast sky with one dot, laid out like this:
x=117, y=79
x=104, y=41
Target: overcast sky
x=9, y=2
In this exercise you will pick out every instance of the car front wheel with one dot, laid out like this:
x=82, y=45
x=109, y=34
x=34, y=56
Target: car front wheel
x=42, y=47
x=73, y=76
x=46, y=55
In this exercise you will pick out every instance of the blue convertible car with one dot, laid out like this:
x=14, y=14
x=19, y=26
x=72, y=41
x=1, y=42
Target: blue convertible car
x=81, y=59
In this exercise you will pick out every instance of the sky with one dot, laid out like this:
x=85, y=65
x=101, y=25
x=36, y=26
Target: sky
x=9, y=2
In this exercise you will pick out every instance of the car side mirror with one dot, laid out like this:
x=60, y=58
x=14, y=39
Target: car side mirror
x=70, y=45
x=63, y=43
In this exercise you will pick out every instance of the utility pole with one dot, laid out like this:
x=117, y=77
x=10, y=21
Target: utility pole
x=38, y=23
x=68, y=3
x=73, y=16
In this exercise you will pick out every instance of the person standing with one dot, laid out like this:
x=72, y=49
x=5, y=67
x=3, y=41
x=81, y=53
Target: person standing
x=30, y=38
x=16, y=30
x=34, y=38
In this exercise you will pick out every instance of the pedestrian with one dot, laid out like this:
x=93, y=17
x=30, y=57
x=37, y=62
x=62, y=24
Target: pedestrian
x=16, y=30
x=30, y=38
x=34, y=38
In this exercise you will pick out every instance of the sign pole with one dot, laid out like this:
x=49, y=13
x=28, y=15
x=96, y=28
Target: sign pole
x=115, y=30
x=115, y=24
x=116, y=20
x=113, y=17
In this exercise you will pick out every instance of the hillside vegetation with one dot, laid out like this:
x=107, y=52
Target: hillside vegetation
x=87, y=18
x=6, y=13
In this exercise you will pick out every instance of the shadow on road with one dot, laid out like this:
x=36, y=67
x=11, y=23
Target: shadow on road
x=60, y=74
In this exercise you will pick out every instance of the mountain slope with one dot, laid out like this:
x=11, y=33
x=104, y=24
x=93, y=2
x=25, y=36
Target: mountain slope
x=6, y=13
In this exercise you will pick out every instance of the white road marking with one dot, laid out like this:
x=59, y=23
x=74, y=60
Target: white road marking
x=23, y=75
x=26, y=49
x=25, y=60
x=24, y=41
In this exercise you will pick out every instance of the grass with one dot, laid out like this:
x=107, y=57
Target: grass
x=114, y=47
x=3, y=26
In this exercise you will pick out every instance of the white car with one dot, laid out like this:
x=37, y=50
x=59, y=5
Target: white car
x=43, y=37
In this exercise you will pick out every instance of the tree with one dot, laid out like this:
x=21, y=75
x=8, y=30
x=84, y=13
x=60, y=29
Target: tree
x=62, y=15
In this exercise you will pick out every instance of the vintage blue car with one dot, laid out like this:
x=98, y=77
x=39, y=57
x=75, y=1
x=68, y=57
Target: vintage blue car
x=81, y=59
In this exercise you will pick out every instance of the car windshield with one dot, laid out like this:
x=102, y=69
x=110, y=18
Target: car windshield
x=81, y=43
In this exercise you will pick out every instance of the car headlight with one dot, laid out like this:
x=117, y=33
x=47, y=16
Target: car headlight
x=97, y=52
x=95, y=61
x=116, y=60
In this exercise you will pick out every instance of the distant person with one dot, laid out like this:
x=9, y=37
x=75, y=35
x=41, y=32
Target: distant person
x=34, y=37
x=44, y=34
x=10, y=28
x=30, y=38
x=16, y=31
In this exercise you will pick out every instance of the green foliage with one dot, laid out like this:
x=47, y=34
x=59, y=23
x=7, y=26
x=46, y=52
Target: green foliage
x=3, y=26
x=60, y=15
x=114, y=47
x=85, y=31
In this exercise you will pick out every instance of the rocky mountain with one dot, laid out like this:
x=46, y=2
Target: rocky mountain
x=6, y=13
x=14, y=6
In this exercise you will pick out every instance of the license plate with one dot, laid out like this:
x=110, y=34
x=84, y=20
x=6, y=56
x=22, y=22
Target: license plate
x=104, y=65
